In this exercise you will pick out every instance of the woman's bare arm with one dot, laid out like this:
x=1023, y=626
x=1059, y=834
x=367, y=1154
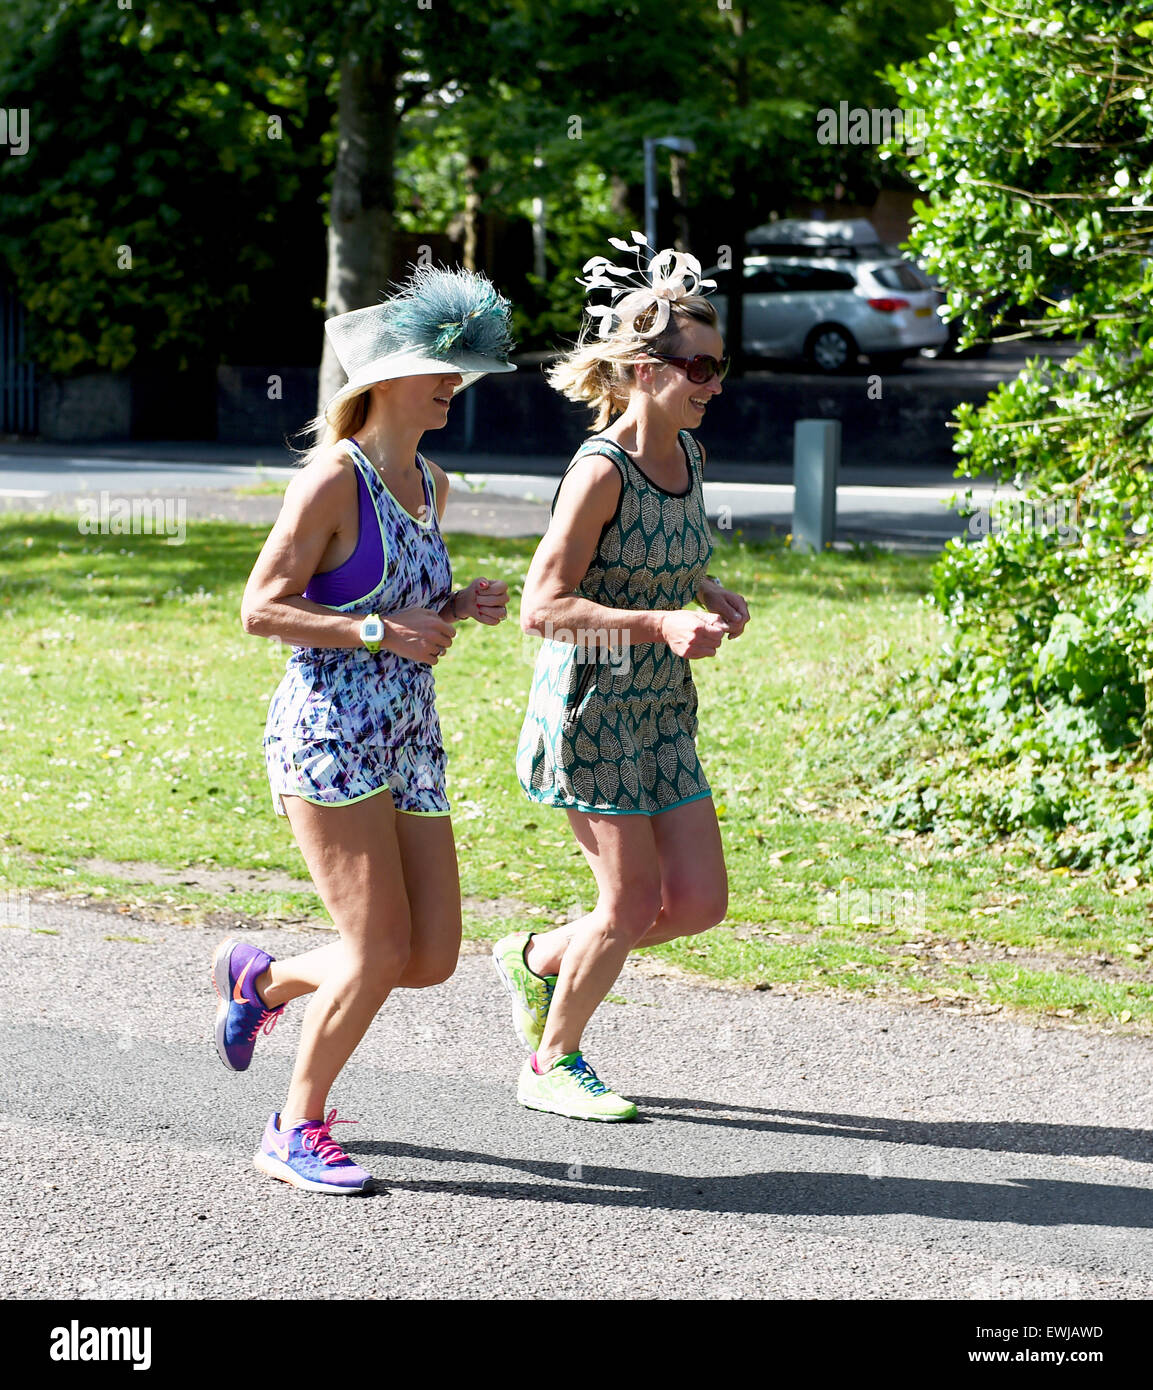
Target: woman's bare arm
x=317, y=504
x=550, y=607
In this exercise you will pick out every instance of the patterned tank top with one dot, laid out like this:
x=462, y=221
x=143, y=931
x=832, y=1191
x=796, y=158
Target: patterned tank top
x=354, y=695
x=614, y=732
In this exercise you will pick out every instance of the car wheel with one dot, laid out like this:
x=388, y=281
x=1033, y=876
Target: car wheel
x=830, y=349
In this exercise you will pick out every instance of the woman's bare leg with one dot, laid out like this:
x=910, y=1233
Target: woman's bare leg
x=428, y=858
x=684, y=844
x=621, y=852
x=353, y=855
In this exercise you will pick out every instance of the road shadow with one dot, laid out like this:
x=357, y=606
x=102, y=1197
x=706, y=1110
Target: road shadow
x=996, y=1136
x=1025, y=1201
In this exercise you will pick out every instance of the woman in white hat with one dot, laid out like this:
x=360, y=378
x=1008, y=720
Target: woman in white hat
x=610, y=730
x=356, y=577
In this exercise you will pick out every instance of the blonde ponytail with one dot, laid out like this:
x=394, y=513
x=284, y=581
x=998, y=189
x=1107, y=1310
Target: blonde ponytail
x=347, y=416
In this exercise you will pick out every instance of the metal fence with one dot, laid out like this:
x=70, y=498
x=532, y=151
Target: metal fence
x=18, y=394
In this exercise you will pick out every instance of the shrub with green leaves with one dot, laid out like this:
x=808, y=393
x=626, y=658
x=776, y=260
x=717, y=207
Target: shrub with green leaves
x=1037, y=717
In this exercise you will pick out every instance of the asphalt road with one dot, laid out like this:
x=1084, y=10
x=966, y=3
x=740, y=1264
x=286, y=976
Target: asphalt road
x=788, y=1147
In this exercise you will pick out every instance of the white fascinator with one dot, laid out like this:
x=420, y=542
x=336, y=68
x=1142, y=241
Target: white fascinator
x=641, y=296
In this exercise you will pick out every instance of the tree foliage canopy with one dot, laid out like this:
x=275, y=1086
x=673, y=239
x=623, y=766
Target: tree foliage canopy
x=1039, y=172
x=169, y=149
x=200, y=135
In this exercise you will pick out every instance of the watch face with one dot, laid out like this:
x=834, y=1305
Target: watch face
x=372, y=630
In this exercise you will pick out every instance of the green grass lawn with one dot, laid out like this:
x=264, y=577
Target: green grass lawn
x=132, y=706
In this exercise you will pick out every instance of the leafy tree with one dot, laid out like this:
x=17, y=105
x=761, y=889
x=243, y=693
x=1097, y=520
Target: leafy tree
x=391, y=55
x=161, y=193
x=215, y=133
x=1040, y=203
x=576, y=88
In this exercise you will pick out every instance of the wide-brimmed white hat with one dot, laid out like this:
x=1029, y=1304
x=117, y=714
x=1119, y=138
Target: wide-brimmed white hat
x=440, y=321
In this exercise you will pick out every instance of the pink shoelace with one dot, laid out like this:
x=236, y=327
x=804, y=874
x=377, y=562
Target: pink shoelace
x=316, y=1139
x=268, y=1021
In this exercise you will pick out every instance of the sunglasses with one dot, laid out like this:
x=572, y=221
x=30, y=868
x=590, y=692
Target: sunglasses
x=700, y=368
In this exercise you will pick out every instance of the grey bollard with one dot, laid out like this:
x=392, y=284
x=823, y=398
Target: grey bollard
x=816, y=459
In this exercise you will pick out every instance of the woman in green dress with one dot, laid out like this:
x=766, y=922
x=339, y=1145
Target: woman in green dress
x=610, y=730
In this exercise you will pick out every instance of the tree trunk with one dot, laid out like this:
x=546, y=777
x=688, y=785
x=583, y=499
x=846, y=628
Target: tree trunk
x=361, y=223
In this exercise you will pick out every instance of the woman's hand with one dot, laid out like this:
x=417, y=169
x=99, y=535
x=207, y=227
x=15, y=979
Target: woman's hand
x=727, y=605
x=691, y=635
x=418, y=634
x=486, y=600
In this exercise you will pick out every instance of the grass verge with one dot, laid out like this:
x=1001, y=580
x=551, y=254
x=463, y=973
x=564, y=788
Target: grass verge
x=131, y=712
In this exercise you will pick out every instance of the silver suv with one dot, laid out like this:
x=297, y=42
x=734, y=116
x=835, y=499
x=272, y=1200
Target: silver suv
x=828, y=309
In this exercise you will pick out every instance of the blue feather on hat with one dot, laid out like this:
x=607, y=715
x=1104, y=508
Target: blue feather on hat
x=442, y=311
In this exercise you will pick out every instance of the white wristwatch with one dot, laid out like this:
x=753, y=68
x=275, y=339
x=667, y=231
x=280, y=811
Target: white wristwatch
x=372, y=632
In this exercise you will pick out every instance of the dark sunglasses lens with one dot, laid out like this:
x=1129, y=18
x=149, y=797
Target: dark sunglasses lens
x=702, y=369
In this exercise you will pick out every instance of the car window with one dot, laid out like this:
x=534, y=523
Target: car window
x=751, y=272
x=796, y=279
x=782, y=278
x=822, y=279
x=900, y=277
x=762, y=279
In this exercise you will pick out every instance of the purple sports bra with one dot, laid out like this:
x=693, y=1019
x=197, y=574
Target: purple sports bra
x=363, y=571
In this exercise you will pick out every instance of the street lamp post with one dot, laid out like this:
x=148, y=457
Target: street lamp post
x=672, y=142
x=539, y=262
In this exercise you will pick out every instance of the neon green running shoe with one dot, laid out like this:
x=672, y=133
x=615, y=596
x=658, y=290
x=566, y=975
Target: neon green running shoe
x=531, y=994
x=571, y=1087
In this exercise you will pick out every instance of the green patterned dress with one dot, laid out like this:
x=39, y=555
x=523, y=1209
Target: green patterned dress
x=616, y=735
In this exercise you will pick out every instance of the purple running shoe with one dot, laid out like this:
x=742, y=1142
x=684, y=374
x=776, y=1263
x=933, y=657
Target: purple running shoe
x=308, y=1156
x=242, y=1013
